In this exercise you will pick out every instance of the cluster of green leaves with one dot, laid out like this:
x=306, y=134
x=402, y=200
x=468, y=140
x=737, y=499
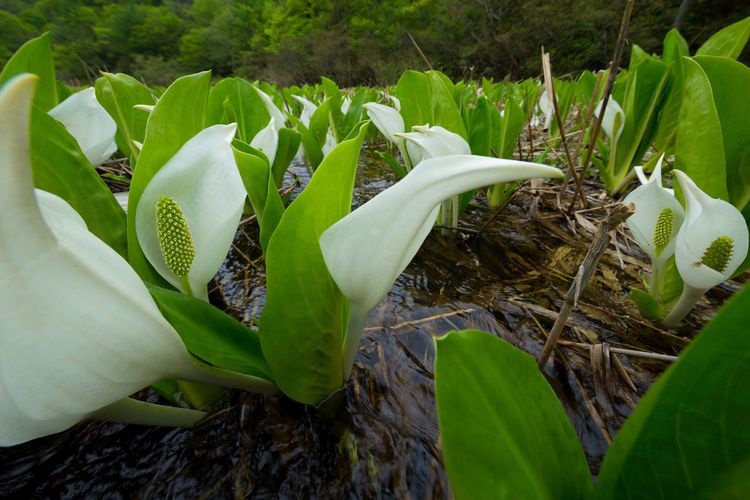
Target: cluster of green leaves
x=293, y=41
x=705, y=135
x=505, y=434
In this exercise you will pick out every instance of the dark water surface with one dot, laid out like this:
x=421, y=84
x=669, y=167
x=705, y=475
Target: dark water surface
x=382, y=440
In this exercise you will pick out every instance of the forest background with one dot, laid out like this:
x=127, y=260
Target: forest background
x=351, y=41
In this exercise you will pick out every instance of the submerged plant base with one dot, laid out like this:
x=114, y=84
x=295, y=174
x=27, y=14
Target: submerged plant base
x=383, y=440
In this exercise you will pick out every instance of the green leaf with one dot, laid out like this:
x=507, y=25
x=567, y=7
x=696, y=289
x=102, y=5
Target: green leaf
x=688, y=437
x=643, y=100
x=512, y=124
x=675, y=47
x=699, y=150
x=235, y=100
x=304, y=321
x=480, y=122
x=730, y=81
x=118, y=94
x=212, y=335
x=393, y=163
x=416, y=105
x=727, y=42
x=260, y=187
x=647, y=304
x=179, y=114
x=61, y=168
x=35, y=56
x=503, y=430
x=286, y=150
x=445, y=111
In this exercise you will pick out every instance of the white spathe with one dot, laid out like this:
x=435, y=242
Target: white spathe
x=436, y=141
x=367, y=250
x=613, y=120
x=267, y=140
x=203, y=179
x=89, y=123
x=273, y=110
x=707, y=219
x=650, y=200
x=387, y=120
x=308, y=108
x=79, y=330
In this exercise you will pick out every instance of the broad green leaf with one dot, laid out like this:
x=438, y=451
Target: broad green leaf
x=727, y=42
x=688, y=437
x=730, y=81
x=286, y=150
x=413, y=90
x=675, y=47
x=643, y=99
x=503, y=430
x=304, y=321
x=179, y=114
x=445, y=111
x=61, y=168
x=392, y=163
x=212, y=335
x=699, y=150
x=479, y=125
x=260, y=187
x=512, y=124
x=234, y=100
x=35, y=56
x=637, y=56
x=118, y=94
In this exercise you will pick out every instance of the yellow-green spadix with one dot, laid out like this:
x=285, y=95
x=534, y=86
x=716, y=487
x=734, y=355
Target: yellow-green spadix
x=79, y=332
x=202, y=180
x=367, y=250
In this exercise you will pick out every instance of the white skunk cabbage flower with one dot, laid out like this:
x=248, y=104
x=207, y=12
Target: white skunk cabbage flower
x=390, y=123
x=366, y=251
x=89, y=123
x=710, y=246
x=188, y=214
x=654, y=224
x=267, y=140
x=273, y=110
x=546, y=109
x=80, y=331
x=346, y=104
x=387, y=120
x=436, y=141
x=308, y=108
x=613, y=120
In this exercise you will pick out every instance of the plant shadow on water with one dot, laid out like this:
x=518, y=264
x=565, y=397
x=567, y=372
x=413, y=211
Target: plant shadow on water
x=382, y=440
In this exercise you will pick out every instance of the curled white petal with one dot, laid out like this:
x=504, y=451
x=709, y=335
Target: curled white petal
x=203, y=179
x=650, y=200
x=272, y=109
x=308, y=108
x=387, y=120
x=267, y=140
x=365, y=251
x=89, y=123
x=79, y=329
x=436, y=141
x=707, y=219
x=610, y=120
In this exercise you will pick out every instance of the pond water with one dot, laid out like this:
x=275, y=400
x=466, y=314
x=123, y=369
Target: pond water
x=506, y=273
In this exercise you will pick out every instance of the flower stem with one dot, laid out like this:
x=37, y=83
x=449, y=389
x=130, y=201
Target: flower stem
x=186, y=285
x=197, y=371
x=132, y=411
x=687, y=300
